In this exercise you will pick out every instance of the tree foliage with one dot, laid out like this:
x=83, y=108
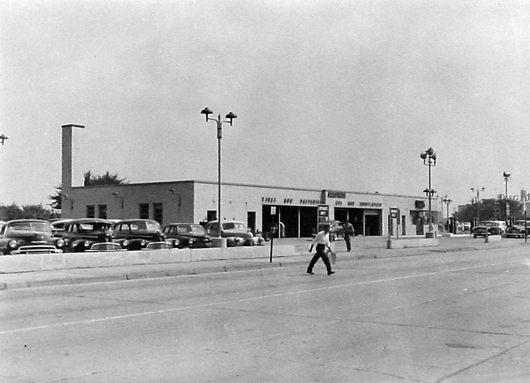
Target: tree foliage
x=105, y=179
x=13, y=211
x=90, y=179
x=490, y=209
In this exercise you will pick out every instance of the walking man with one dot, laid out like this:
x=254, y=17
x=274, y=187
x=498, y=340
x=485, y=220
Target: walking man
x=349, y=231
x=322, y=242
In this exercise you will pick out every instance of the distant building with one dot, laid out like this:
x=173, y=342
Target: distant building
x=258, y=206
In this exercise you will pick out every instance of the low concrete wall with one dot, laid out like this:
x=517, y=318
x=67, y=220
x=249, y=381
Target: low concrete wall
x=36, y=262
x=408, y=242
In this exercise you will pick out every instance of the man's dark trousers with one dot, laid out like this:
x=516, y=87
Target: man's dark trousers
x=320, y=253
x=347, y=239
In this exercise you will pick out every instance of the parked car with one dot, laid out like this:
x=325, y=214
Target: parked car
x=235, y=232
x=335, y=229
x=514, y=232
x=499, y=224
x=80, y=234
x=105, y=247
x=190, y=235
x=480, y=231
x=28, y=236
x=58, y=226
x=137, y=233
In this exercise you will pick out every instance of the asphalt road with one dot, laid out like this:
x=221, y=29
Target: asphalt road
x=442, y=317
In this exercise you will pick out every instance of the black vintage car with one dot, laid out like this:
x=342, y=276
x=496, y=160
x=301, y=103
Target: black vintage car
x=190, y=235
x=138, y=233
x=80, y=234
x=480, y=231
x=28, y=236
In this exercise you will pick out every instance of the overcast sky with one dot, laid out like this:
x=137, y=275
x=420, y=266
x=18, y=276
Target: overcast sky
x=341, y=95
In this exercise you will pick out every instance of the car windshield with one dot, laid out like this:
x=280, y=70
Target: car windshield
x=93, y=226
x=233, y=226
x=145, y=225
x=190, y=229
x=30, y=227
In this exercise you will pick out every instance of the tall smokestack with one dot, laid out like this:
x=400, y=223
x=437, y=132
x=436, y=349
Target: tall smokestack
x=66, y=175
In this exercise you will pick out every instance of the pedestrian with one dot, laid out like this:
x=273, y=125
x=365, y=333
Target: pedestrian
x=322, y=242
x=348, y=231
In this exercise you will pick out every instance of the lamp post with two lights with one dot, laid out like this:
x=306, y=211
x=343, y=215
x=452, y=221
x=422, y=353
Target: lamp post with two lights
x=230, y=116
x=429, y=159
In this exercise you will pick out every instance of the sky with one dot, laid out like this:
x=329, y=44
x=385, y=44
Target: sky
x=337, y=95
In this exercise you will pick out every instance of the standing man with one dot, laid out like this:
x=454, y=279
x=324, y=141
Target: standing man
x=349, y=231
x=322, y=241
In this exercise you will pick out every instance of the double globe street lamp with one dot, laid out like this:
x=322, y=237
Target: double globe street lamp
x=429, y=159
x=230, y=117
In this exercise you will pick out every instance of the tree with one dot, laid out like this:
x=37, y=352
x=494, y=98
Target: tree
x=90, y=179
x=105, y=179
x=13, y=211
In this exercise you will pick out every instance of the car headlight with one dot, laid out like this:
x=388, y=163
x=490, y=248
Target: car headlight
x=191, y=241
x=59, y=243
x=125, y=243
x=143, y=243
x=12, y=244
x=86, y=244
x=176, y=243
x=238, y=240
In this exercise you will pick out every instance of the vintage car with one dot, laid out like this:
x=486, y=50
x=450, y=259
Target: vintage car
x=235, y=232
x=514, y=232
x=28, y=236
x=335, y=229
x=480, y=231
x=190, y=235
x=81, y=234
x=137, y=233
x=59, y=225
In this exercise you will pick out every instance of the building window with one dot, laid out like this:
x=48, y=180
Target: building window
x=158, y=211
x=90, y=211
x=211, y=215
x=102, y=211
x=144, y=211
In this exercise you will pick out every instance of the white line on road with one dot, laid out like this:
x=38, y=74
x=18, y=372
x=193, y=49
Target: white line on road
x=144, y=313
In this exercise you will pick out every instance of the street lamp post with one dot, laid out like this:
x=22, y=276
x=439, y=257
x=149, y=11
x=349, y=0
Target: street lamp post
x=3, y=137
x=507, y=205
x=447, y=201
x=478, y=201
x=230, y=116
x=429, y=159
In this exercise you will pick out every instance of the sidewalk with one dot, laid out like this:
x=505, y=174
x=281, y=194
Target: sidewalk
x=362, y=249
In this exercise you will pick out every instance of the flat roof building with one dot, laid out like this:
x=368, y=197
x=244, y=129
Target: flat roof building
x=258, y=206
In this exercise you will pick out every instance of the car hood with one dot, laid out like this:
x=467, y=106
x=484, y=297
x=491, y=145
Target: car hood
x=31, y=237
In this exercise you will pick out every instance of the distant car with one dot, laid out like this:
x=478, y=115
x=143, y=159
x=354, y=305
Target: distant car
x=499, y=224
x=80, y=234
x=28, y=236
x=58, y=226
x=137, y=233
x=335, y=229
x=235, y=232
x=163, y=245
x=480, y=231
x=190, y=235
x=514, y=232
x=105, y=247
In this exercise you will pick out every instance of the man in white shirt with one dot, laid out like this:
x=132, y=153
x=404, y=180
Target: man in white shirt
x=322, y=241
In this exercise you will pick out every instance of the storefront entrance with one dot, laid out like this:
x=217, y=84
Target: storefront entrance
x=292, y=221
x=365, y=221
